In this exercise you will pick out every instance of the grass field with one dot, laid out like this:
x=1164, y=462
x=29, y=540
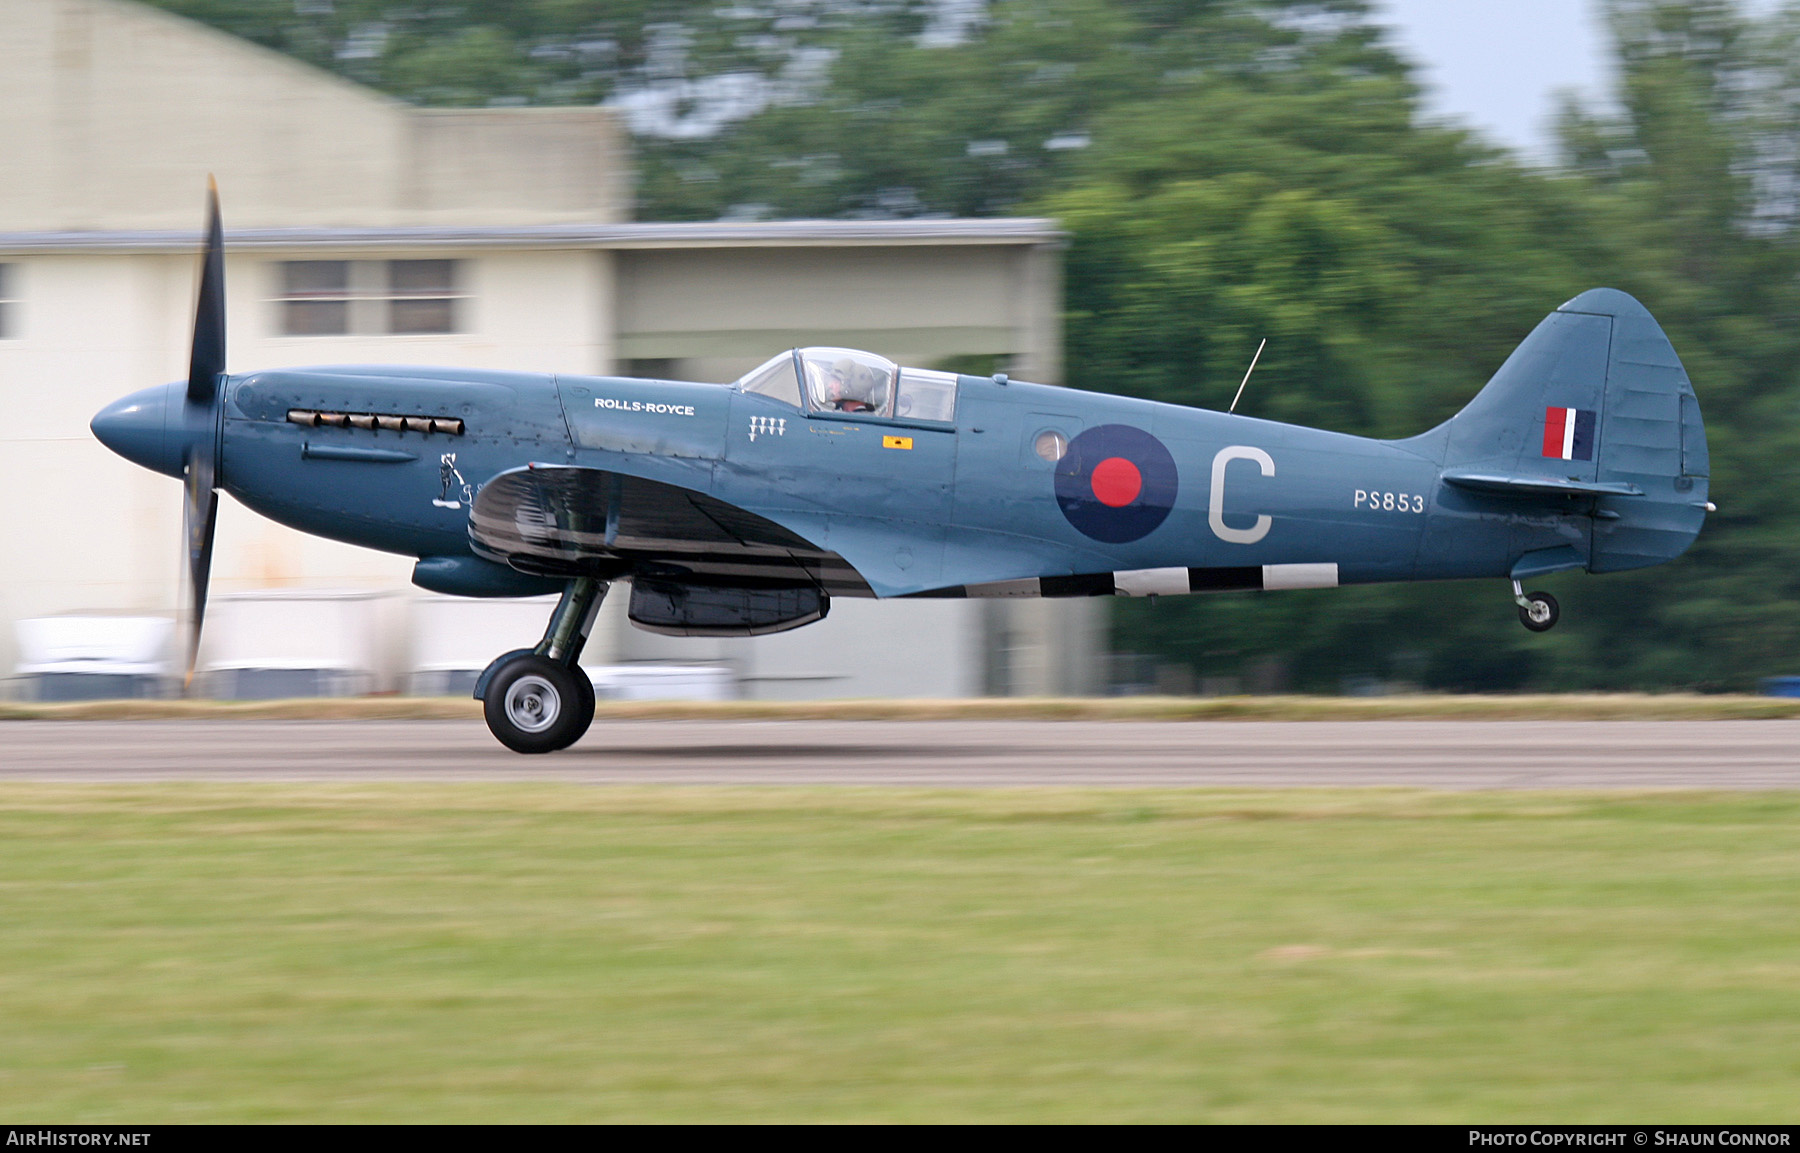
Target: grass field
x=548, y=953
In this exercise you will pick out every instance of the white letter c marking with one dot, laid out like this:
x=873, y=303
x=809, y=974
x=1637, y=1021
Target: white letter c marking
x=1215, y=507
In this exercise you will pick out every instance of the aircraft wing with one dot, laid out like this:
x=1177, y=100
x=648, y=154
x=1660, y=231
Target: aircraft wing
x=565, y=520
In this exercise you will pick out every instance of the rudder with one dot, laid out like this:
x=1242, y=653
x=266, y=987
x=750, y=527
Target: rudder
x=1652, y=438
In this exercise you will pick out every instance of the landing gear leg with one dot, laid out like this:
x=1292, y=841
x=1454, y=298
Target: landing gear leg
x=542, y=700
x=1538, y=611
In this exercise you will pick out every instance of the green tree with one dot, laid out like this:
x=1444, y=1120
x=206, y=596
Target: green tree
x=1693, y=183
x=985, y=126
x=547, y=51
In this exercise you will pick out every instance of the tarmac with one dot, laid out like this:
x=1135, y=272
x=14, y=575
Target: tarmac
x=1453, y=755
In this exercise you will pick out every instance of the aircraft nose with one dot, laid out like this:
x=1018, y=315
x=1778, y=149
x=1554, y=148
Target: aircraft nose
x=139, y=428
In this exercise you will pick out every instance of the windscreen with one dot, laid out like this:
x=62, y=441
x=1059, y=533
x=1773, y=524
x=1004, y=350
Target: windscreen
x=775, y=379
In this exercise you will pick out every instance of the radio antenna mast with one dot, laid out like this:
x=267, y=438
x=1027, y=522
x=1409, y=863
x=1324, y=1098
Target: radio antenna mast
x=1247, y=372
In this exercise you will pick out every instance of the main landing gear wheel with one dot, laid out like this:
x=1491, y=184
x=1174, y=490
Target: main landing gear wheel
x=541, y=700
x=1538, y=612
x=535, y=705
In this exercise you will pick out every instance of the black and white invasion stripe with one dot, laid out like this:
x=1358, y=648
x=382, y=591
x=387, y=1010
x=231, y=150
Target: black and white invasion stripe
x=1151, y=582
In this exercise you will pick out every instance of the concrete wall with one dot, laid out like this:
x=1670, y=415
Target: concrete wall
x=82, y=530
x=912, y=304
x=113, y=113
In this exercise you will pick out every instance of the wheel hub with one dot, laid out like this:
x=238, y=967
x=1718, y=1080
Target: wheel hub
x=532, y=704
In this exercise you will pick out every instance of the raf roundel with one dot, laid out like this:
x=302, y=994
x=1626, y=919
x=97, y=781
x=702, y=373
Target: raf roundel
x=1116, y=483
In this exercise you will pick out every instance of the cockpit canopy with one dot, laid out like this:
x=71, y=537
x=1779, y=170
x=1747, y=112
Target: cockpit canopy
x=851, y=381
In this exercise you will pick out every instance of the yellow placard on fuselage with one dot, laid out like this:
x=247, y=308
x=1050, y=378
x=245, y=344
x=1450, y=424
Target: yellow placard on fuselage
x=896, y=442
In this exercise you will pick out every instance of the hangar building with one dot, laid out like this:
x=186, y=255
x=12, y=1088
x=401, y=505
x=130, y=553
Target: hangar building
x=360, y=229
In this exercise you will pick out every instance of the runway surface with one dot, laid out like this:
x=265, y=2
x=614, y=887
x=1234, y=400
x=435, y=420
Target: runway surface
x=1420, y=754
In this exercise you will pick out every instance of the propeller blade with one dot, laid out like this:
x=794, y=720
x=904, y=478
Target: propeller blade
x=200, y=506
x=200, y=514
x=209, y=315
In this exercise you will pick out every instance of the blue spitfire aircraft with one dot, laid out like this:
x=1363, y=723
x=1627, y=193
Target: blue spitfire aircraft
x=745, y=508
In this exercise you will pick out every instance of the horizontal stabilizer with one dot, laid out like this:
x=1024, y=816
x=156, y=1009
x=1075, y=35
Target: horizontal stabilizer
x=1538, y=485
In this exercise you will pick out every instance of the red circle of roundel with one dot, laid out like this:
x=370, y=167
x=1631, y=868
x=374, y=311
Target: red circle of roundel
x=1116, y=482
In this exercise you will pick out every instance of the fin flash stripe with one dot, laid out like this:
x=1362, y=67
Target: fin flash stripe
x=1569, y=433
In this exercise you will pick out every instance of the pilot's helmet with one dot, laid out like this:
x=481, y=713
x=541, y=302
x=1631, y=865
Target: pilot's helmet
x=847, y=382
x=874, y=386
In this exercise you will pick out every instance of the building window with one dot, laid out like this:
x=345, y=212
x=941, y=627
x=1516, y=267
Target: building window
x=315, y=297
x=421, y=295
x=367, y=297
x=9, y=302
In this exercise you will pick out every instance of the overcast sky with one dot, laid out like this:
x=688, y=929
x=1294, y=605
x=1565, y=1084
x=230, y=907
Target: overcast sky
x=1496, y=65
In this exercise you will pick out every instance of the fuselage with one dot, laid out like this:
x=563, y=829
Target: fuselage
x=391, y=458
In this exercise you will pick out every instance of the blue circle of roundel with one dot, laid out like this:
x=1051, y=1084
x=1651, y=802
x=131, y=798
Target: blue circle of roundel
x=1105, y=520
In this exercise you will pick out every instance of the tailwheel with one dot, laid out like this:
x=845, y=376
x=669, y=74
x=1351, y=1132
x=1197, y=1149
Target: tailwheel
x=536, y=705
x=1538, y=611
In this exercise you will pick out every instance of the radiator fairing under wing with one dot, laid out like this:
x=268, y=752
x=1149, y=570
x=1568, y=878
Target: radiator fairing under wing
x=688, y=610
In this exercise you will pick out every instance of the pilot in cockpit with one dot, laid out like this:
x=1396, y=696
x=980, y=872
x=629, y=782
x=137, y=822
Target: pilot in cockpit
x=853, y=387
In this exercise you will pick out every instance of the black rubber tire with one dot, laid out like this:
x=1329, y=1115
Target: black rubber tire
x=535, y=705
x=584, y=684
x=1546, y=602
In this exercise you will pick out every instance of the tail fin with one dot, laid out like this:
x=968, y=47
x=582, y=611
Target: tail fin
x=1593, y=406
